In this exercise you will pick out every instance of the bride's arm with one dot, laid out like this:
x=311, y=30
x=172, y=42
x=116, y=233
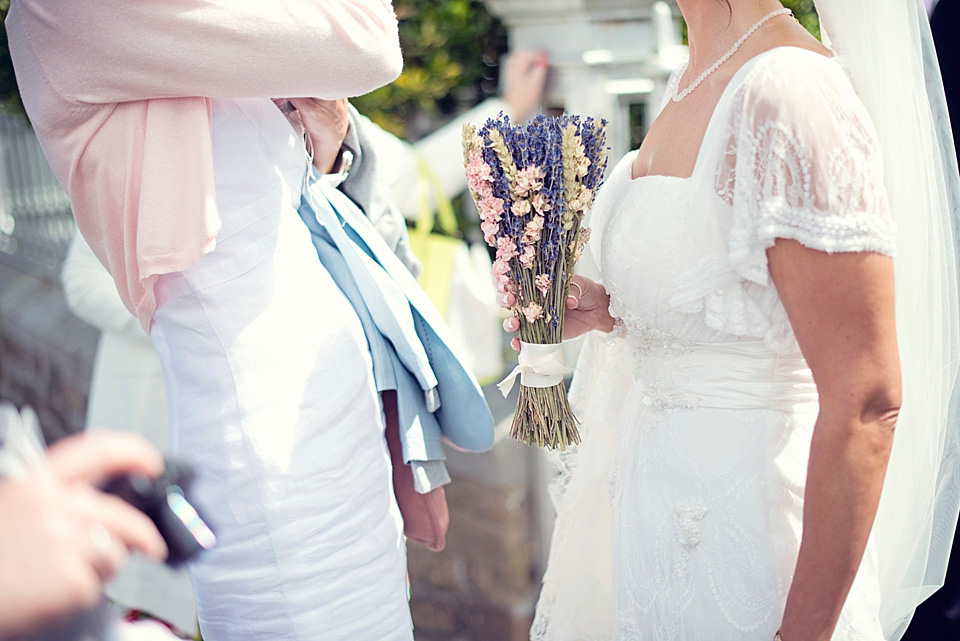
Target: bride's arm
x=841, y=307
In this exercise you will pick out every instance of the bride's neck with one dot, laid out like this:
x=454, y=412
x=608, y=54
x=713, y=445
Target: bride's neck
x=712, y=28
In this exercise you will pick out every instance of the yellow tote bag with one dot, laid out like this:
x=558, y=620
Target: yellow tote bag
x=437, y=252
x=458, y=279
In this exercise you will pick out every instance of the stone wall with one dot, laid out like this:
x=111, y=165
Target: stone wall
x=46, y=353
x=483, y=586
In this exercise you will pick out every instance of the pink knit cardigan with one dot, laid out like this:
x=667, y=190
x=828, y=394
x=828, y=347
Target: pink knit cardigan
x=111, y=88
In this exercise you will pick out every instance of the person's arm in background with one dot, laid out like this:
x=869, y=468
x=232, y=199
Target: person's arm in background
x=61, y=538
x=91, y=292
x=325, y=123
x=396, y=166
x=524, y=75
x=106, y=51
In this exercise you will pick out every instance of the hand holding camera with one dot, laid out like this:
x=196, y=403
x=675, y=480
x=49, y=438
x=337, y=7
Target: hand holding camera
x=72, y=516
x=163, y=499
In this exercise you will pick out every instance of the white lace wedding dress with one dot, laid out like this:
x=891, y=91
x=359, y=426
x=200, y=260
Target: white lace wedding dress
x=679, y=516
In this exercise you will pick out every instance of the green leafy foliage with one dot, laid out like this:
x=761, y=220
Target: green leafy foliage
x=805, y=13
x=9, y=97
x=451, y=49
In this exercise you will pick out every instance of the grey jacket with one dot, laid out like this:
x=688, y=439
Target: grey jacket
x=372, y=195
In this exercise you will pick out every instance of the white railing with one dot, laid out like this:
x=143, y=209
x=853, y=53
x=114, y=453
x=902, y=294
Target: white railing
x=35, y=217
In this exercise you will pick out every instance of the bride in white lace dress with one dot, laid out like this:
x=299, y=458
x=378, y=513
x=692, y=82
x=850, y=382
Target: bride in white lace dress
x=738, y=425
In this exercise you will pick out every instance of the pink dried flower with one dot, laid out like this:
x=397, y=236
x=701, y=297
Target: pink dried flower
x=479, y=174
x=543, y=283
x=491, y=208
x=582, y=201
x=577, y=245
x=490, y=230
x=520, y=208
x=540, y=203
x=529, y=179
x=506, y=249
x=528, y=256
x=500, y=267
x=479, y=186
x=532, y=312
x=583, y=166
x=503, y=283
x=533, y=229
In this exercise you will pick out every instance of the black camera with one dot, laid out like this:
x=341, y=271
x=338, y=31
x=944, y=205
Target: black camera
x=164, y=500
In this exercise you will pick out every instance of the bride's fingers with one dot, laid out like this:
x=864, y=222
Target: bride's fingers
x=592, y=295
x=515, y=344
x=575, y=293
x=506, y=300
x=511, y=325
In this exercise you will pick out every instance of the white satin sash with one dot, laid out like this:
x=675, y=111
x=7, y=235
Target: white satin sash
x=737, y=375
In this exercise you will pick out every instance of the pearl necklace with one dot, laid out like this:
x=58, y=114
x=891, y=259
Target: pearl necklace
x=736, y=45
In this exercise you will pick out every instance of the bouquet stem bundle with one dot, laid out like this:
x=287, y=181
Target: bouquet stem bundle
x=533, y=184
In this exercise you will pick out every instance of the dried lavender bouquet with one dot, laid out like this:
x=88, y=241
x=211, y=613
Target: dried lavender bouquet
x=533, y=184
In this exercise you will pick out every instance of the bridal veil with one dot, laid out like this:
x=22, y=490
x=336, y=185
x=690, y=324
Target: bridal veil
x=887, y=49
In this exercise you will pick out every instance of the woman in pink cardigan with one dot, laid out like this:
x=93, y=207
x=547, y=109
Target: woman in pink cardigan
x=185, y=180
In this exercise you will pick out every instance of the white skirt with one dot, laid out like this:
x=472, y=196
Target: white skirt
x=680, y=513
x=271, y=397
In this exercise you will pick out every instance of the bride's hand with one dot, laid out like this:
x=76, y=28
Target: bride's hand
x=587, y=305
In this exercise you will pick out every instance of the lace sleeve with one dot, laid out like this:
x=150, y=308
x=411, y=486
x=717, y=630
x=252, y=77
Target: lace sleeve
x=801, y=161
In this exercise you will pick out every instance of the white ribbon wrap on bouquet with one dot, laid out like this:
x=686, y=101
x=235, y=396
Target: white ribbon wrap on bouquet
x=537, y=366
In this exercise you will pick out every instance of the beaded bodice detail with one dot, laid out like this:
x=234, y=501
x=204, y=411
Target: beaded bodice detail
x=684, y=259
